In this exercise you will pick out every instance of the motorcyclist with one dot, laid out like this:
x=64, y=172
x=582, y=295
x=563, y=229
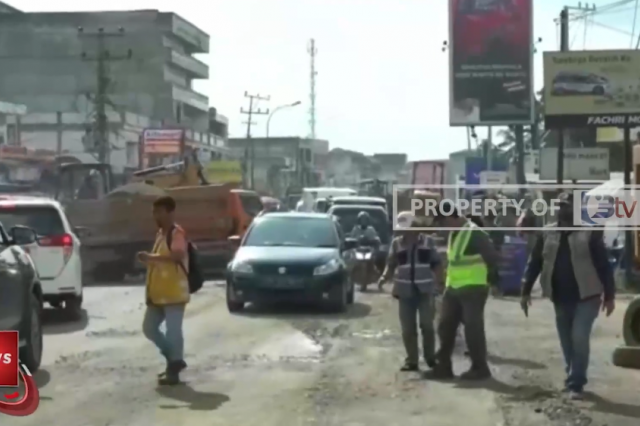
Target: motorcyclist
x=366, y=236
x=363, y=231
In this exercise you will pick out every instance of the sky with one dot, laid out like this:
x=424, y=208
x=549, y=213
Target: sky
x=382, y=82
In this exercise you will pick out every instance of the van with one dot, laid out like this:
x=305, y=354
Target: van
x=245, y=205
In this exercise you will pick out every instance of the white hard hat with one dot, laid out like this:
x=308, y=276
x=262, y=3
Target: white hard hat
x=405, y=219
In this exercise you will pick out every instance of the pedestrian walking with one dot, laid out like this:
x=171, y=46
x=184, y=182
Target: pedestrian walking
x=415, y=266
x=471, y=267
x=167, y=289
x=574, y=271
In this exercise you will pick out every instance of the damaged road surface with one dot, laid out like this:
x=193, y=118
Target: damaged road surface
x=298, y=366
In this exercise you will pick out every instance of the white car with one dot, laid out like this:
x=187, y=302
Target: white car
x=56, y=254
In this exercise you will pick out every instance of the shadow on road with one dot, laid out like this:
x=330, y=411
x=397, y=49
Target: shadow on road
x=201, y=401
x=520, y=393
x=309, y=311
x=56, y=321
x=515, y=362
x=42, y=378
x=609, y=407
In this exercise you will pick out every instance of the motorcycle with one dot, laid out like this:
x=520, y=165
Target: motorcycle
x=364, y=269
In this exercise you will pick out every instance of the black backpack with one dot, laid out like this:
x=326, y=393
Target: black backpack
x=194, y=276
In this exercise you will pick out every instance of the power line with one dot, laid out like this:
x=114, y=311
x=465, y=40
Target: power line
x=101, y=99
x=250, y=113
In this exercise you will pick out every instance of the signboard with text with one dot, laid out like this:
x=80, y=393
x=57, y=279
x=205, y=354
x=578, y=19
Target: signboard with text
x=598, y=88
x=590, y=164
x=490, y=54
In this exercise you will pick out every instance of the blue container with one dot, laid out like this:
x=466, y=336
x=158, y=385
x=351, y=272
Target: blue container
x=513, y=262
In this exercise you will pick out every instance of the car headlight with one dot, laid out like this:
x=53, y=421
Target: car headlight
x=328, y=268
x=241, y=267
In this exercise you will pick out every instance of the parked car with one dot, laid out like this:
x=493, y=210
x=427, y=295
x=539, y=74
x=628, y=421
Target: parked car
x=290, y=257
x=580, y=83
x=56, y=253
x=21, y=294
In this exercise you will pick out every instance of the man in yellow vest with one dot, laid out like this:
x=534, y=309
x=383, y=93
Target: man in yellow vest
x=471, y=266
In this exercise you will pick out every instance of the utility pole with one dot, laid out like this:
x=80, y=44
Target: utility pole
x=313, y=51
x=250, y=113
x=103, y=82
x=564, y=47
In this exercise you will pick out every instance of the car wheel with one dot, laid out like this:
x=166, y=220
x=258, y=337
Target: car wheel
x=31, y=353
x=233, y=305
x=73, y=307
x=338, y=298
x=598, y=90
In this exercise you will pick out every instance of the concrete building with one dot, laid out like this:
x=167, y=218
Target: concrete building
x=280, y=163
x=346, y=168
x=391, y=166
x=48, y=74
x=50, y=71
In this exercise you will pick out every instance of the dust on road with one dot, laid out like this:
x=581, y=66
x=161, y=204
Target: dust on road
x=300, y=366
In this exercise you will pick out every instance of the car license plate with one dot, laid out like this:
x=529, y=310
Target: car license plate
x=287, y=282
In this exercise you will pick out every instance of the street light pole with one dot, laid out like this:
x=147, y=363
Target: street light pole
x=278, y=109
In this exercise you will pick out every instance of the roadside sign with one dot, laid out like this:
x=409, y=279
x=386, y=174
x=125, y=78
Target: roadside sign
x=493, y=178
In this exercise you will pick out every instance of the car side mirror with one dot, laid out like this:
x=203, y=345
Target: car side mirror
x=235, y=240
x=349, y=244
x=22, y=235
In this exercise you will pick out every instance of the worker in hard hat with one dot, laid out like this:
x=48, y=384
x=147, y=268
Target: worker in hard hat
x=415, y=267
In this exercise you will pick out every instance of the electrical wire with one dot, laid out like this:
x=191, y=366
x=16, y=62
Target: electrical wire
x=575, y=35
x=610, y=28
x=633, y=30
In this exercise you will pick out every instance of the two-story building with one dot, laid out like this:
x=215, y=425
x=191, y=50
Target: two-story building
x=274, y=164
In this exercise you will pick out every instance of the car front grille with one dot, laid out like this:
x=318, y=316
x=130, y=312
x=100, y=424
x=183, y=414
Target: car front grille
x=297, y=270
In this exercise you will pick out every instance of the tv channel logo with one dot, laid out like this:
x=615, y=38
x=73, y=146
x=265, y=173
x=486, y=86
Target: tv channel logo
x=616, y=208
x=19, y=394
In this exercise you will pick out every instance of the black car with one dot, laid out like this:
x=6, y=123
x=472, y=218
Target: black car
x=21, y=294
x=291, y=257
x=347, y=215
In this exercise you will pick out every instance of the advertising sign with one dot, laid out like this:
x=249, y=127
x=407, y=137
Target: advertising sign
x=579, y=164
x=163, y=141
x=474, y=166
x=223, y=172
x=592, y=88
x=490, y=61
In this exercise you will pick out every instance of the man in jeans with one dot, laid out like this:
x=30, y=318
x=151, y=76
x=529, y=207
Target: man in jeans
x=575, y=274
x=167, y=289
x=415, y=266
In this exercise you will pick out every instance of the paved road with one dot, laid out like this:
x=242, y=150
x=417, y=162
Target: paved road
x=286, y=366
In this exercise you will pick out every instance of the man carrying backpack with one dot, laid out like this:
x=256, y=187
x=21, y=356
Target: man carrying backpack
x=169, y=285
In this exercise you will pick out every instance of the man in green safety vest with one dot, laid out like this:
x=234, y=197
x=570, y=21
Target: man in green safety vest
x=472, y=262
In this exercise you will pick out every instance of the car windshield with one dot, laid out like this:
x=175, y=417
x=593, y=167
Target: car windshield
x=348, y=218
x=44, y=220
x=293, y=231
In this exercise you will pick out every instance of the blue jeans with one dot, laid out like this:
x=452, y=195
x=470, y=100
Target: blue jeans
x=574, y=322
x=170, y=343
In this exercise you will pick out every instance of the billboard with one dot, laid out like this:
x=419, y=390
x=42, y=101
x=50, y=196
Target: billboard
x=592, y=88
x=490, y=62
x=163, y=141
x=590, y=164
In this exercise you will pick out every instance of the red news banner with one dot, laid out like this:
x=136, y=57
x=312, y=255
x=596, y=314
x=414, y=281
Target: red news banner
x=19, y=395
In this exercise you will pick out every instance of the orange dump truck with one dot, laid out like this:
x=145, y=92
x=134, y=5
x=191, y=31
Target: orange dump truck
x=114, y=224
